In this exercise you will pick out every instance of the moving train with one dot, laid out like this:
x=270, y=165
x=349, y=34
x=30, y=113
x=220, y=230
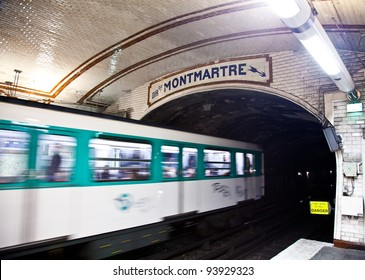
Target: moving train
x=70, y=177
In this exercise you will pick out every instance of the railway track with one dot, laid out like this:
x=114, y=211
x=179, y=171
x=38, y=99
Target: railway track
x=310, y=227
x=272, y=220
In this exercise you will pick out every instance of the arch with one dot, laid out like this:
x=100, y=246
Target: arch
x=252, y=87
x=287, y=127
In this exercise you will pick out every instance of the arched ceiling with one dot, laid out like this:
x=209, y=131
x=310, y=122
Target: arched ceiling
x=92, y=52
x=220, y=112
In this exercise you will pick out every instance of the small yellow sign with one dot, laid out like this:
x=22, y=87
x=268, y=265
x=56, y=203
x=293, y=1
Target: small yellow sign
x=320, y=207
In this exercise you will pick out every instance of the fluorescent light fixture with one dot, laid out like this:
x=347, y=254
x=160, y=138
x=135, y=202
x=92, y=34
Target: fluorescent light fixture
x=284, y=8
x=354, y=107
x=322, y=54
x=301, y=18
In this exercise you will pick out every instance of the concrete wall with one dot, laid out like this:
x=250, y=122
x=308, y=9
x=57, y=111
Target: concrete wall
x=348, y=228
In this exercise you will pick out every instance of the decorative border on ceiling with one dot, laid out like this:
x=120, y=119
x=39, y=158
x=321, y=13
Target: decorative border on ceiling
x=8, y=90
x=225, y=8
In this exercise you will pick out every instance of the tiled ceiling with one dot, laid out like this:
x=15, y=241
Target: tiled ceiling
x=91, y=52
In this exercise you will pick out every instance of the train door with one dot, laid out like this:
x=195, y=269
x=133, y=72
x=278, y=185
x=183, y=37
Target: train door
x=16, y=145
x=33, y=203
x=54, y=184
x=246, y=175
x=241, y=181
x=179, y=167
x=189, y=173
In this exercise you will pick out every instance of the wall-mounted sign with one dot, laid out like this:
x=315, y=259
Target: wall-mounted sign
x=320, y=207
x=257, y=70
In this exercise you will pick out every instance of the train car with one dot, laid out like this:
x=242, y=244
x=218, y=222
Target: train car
x=70, y=177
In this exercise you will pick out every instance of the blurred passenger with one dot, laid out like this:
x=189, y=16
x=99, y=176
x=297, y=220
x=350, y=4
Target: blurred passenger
x=54, y=167
x=190, y=169
x=136, y=154
x=105, y=175
x=122, y=165
x=190, y=172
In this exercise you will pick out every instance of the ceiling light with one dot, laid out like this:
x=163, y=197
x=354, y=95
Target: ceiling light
x=322, y=54
x=302, y=19
x=284, y=8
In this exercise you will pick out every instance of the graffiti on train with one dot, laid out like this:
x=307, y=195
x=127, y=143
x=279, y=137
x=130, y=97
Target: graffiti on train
x=222, y=189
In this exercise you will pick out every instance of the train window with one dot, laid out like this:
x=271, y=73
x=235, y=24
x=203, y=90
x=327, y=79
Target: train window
x=189, y=158
x=217, y=163
x=240, y=163
x=170, y=161
x=249, y=163
x=55, y=157
x=118, y=160
x=14, y=147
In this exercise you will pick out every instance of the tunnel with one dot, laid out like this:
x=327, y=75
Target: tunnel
x=297, y=159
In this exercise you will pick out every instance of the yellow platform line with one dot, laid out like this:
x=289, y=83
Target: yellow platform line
x=117, y=252
x=125, y=241
x=105, y=246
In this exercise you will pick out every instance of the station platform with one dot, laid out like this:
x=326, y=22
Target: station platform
x=305, y=249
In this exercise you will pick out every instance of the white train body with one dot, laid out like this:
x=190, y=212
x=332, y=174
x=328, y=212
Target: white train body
x=33, y=209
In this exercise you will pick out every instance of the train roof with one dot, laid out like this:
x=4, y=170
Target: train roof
x=130, y=126
x=54, y=107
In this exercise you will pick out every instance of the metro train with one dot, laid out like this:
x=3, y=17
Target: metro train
x=75, y=177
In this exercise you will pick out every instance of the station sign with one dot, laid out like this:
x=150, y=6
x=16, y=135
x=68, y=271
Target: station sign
x=320, y=207
x=257, y=70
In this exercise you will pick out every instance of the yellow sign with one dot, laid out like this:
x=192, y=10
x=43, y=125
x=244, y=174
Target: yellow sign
x=320, y=207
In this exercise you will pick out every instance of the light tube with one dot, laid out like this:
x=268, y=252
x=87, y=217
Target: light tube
x=284, y=8
x=322, y=54
x=302, y=20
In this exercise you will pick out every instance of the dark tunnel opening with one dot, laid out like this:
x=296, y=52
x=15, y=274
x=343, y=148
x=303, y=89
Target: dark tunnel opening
x=297, y=157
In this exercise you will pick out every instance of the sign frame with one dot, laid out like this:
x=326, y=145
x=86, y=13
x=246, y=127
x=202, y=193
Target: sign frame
x=245, y=70
x=320, y=207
